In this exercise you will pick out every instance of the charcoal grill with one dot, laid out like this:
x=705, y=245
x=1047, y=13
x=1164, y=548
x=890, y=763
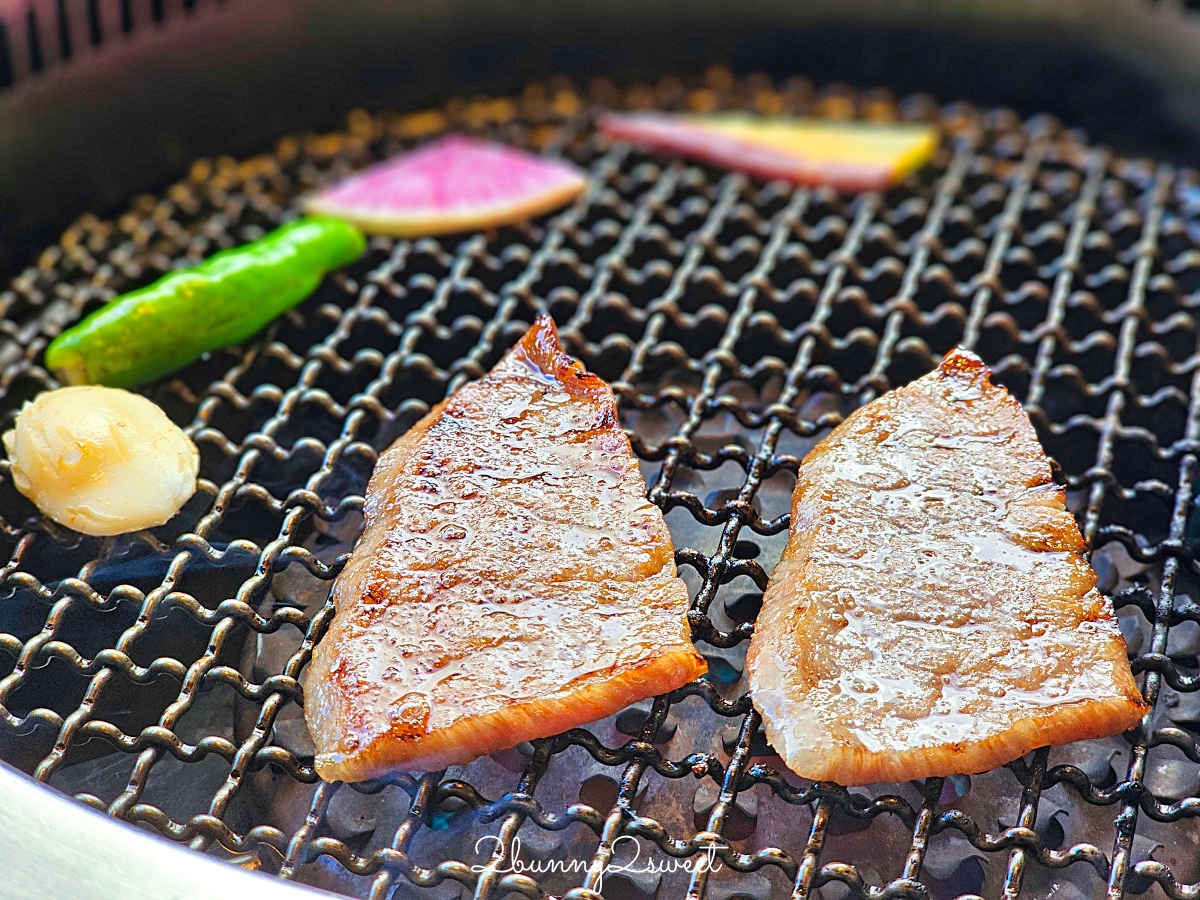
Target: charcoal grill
x=157, y=677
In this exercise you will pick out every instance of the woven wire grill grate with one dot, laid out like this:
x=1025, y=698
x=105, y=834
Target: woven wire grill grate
x=158, y=676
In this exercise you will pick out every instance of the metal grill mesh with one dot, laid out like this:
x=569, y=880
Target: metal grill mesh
x=158, y=676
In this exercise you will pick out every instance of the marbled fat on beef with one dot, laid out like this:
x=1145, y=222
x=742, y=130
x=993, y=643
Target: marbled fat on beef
x=933, y=612
x=513, y=580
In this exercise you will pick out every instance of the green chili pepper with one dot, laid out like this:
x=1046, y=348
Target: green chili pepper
x=224, y=300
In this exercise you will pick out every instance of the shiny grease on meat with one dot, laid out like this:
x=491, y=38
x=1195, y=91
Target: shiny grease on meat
x=513, y=580
x=933, y=612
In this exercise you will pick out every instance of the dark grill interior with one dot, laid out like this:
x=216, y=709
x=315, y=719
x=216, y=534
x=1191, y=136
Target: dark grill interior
x=158, y=676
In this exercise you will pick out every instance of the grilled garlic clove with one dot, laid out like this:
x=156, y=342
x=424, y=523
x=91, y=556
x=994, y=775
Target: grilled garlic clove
x=101, y=460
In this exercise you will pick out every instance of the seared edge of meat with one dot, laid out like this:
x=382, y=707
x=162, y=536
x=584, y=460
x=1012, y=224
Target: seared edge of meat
x=626, y=577
x=804, y=646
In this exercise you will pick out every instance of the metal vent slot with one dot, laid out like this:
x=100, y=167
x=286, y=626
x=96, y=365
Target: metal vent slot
x=55, y=32
x=64, y=31
x=95, y=27
x=158, y=676
x=32, y=34
x=6, y=62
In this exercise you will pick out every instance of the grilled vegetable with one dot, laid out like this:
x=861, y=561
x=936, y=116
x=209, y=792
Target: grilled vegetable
x=454, y=184
x=101, y=460
x=224, y=300
x=849, y=156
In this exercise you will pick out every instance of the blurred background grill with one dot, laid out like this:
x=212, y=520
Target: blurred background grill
x=157, y=677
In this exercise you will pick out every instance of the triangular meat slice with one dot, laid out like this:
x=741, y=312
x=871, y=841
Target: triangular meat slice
x=850, y=156
x=933, y=612
x=455, y=183
x=513, y=580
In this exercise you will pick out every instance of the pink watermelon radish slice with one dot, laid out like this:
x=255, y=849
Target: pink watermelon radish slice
x=453, y=184
x=849, y=156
